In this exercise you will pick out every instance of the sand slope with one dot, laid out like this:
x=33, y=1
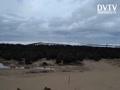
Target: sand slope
x=102, y=76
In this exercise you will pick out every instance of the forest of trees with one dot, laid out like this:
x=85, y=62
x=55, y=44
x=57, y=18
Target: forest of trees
x=65, y=53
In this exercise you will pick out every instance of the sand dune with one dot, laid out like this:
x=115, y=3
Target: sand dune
x=100, y=76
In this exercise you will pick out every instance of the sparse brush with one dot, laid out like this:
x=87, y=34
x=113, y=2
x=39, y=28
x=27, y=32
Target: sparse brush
x=18, y=89
x=46, y=88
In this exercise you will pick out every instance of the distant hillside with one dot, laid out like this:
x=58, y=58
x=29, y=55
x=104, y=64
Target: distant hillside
x=76, y=44
x=61, y=52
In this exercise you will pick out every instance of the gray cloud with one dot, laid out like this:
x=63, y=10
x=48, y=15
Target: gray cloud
x=83, y=25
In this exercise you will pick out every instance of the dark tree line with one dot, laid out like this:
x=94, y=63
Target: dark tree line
x=66, y=53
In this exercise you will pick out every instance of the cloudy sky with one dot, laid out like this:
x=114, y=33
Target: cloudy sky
x=63, y=21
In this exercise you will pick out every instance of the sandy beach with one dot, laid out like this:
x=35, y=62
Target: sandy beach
x=98, y=76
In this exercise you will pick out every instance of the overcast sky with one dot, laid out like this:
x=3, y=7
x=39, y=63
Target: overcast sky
x=63, y=21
